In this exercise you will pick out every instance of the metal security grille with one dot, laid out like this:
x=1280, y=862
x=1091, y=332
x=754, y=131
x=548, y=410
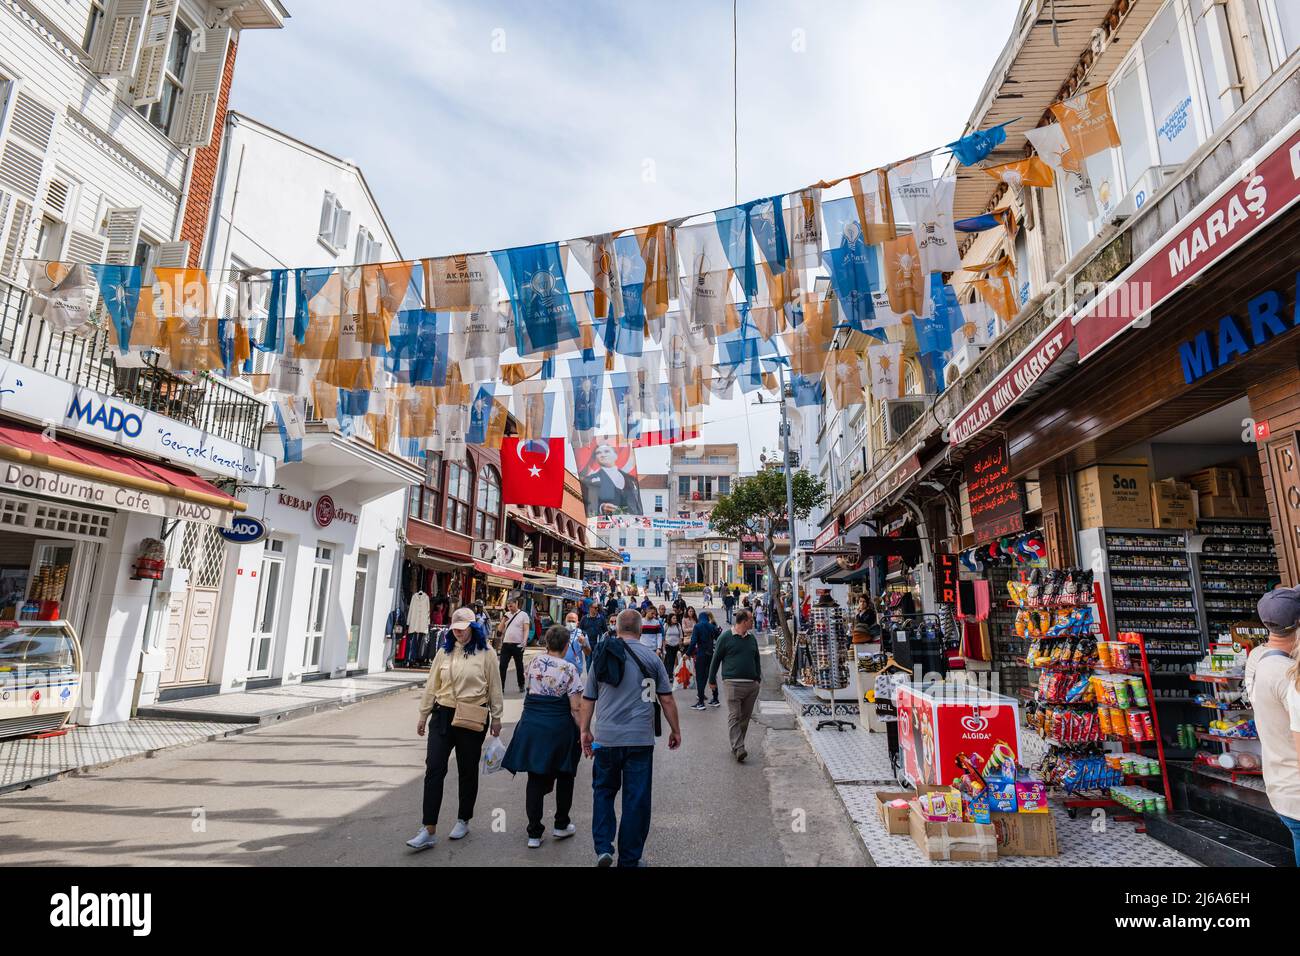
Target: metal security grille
x=44, y=517
x=202, y=552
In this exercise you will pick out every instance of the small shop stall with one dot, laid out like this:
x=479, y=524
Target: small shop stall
x=40, y=676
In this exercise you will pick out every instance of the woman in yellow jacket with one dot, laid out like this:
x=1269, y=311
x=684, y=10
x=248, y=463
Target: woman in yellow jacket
x=464, y=672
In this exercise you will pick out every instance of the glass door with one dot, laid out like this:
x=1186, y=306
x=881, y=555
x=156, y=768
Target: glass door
x=318, y=609
x=266, y=615
x=360, y=607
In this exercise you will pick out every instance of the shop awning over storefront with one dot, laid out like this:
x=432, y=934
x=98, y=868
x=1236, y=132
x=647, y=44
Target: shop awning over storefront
x=62, y=468
x=433, y=560
x=497, y=571
x=834, y=573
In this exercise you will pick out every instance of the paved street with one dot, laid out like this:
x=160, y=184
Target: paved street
x=343, y=788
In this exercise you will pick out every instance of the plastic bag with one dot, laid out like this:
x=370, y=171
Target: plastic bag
x=493, y=754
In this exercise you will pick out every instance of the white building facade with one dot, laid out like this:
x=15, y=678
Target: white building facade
x=108, y=112
x=311, y=599
x=646, y=549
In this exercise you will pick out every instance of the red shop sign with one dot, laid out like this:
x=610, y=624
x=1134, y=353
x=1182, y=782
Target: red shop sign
x=996, y=508
x=1005, y=390
x=1267, y=185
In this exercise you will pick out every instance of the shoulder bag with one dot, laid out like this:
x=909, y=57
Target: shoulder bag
x=468, y=716
x=659, y=721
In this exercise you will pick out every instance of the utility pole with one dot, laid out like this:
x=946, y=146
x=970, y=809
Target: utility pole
x=793, y=677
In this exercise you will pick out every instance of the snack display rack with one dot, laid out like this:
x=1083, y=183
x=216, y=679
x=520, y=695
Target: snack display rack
x=1094, y=707
x=1221, y=676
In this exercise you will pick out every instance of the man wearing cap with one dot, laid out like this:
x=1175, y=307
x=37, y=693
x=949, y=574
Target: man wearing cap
x=1267, y=680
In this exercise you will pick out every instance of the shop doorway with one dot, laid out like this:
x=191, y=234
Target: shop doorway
x=362, y=597
x=318, y=610
x=266, y=616
x=192, y=613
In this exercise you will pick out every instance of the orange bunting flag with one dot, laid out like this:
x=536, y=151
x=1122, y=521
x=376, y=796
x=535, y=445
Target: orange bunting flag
x=904, y=277
x=1087, y=122
x=846, y=379
x=1027, y=172
x=189, y=323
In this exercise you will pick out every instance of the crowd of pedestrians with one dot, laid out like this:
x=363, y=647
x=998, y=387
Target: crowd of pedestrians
x=603, y=689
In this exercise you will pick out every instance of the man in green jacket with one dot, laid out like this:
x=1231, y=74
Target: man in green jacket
x=736, y=659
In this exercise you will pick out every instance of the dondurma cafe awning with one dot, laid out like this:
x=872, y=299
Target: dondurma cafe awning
x=83, y=474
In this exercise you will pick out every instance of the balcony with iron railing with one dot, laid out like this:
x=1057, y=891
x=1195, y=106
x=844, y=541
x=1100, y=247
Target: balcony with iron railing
x=87, y=360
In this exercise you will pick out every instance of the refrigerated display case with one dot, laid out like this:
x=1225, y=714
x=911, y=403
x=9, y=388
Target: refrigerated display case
x=40, y=676
x=941, y=720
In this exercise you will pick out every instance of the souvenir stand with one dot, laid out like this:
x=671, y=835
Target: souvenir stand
x=831, y=655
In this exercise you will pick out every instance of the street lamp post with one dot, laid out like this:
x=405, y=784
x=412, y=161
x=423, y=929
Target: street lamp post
x=792, y=678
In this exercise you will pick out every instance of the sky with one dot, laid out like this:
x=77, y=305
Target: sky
x=492, y=124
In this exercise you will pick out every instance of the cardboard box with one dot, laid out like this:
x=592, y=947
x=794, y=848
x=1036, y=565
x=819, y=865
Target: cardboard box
x=969, y=842
x=1214, y=506
x=896, y=821
x=1219, y=482
x=1256, y=507
x=1171, y=505
x=1026, y=834
x=1249, y=467
x=1113, y=496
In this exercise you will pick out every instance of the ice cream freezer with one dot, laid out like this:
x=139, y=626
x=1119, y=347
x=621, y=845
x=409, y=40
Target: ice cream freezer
x=938, y=721
x=40, y=676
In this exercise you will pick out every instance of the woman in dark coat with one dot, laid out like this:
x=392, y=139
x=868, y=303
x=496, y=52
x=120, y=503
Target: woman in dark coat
x=545, y=744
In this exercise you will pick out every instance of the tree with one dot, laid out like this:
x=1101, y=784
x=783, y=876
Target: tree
x=756, y=508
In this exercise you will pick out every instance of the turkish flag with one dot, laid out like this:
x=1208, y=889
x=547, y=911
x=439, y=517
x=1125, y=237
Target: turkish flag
x=532, y=472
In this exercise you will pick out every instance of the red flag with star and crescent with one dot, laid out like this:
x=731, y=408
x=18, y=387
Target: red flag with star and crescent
x=532, y=472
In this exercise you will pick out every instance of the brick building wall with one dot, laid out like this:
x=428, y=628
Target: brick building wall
x=203, y=178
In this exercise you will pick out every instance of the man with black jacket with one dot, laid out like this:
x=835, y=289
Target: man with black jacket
x=703, y=637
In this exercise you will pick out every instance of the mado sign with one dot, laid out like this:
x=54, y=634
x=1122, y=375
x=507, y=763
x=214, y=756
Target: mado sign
x=245, y=530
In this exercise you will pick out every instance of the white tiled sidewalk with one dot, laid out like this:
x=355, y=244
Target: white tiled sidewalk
x=858, y=763
x=27, y=762
x=273, y=703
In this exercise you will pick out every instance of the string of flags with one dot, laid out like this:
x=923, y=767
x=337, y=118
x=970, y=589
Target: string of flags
x=638, y=330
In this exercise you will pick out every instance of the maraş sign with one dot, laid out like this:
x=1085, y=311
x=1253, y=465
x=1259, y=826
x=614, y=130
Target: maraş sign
x=1266, y=318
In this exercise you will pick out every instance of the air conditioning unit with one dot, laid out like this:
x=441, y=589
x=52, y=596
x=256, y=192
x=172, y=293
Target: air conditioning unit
x=1148, y=184
x=901, y=413
x=957, y=366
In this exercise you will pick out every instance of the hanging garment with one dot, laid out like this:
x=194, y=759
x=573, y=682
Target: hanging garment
x=966, y=598
x=983, y=600
x=417, y=613
x=975, y=643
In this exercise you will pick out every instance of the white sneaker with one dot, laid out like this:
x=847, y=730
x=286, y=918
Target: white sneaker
x=564, y=834
x=534, y=842
x=459, y=831
x=422, y=840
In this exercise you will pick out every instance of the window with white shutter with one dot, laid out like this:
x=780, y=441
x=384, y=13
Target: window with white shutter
x=28, y=135
x=85, y=247
x=173, y=255
x=197, y=112
x=329, y=211
x=15, y=232
x=117, y=38
x=122, y=226
x=368, y=250
x=27, y=140
x=341, y=226
x=151, y=70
